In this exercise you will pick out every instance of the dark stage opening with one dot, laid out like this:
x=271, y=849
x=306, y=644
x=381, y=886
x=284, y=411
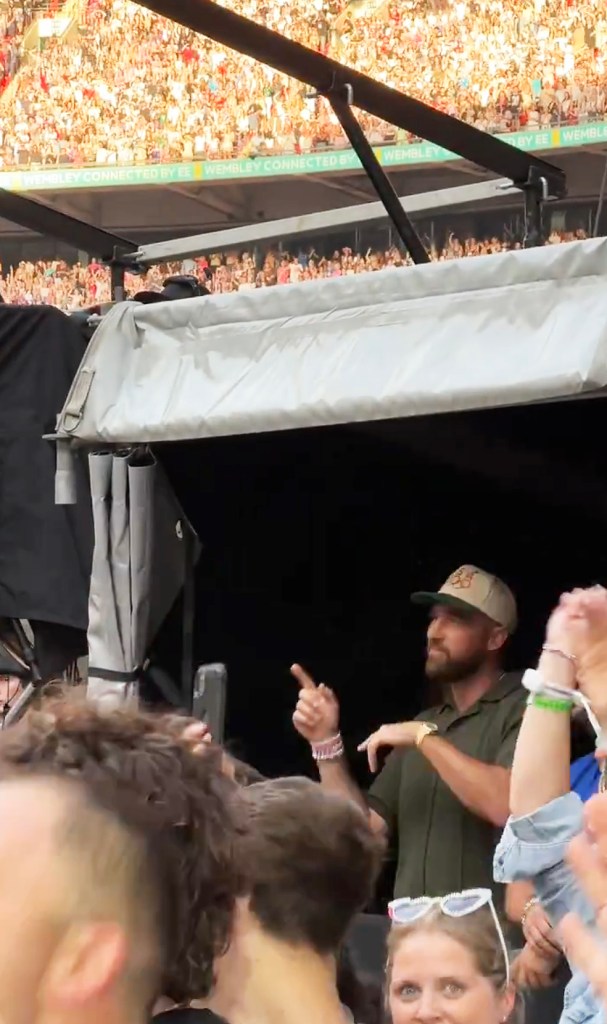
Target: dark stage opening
x=313, y=541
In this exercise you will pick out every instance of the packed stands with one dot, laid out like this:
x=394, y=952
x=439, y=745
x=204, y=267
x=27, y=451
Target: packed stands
x=77, y=286
x=14, y=20
x=135, y=88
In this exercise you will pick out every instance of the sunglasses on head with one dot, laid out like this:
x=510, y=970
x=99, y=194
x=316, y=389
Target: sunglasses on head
x=456, y=904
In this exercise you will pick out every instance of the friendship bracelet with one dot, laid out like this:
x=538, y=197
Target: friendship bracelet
x=331, y=741
x=550, y=649
x=328, y=750
x=537, y=700
x=333, y=754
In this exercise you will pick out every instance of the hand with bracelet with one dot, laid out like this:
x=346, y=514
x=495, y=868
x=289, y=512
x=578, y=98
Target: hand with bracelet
x=539, y=933
x=586, y=622
x=546, y=815
x=577, y=638
x=316, y=718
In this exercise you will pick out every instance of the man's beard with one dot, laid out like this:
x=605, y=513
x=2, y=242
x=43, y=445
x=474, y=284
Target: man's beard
x=449, y=671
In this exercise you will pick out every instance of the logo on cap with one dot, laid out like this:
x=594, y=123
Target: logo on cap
x=462, y=579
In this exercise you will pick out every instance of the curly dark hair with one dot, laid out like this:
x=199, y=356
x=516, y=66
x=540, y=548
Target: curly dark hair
x=196, y=809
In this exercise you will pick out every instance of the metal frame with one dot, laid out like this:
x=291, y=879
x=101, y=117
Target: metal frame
x=291, y=227
x=342, y=108
x=36, y=216
x=342, y=86
x=110, y=248
x=539, y=179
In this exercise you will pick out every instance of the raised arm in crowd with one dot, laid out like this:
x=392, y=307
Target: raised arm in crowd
x=546, y=815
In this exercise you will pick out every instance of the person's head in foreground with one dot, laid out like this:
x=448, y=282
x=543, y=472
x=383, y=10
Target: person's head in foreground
x=84, y=903
x=447, y=962
x=193, y=807
x=313, y=862
x=471, y=618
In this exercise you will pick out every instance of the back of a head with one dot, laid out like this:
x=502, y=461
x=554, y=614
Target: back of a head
x=112, y=860
x=184, y=802
x=86, y=864
x=313, y=862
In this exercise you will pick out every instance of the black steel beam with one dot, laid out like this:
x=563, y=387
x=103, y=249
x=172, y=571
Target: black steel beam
x=378, y=178
x=43, y=219
x=325, y=75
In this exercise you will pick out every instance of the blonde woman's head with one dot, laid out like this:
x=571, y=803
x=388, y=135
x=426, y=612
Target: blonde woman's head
x=449, y=970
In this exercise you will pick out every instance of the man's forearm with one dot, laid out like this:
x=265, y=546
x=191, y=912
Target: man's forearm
x=336, y=778
x=482, y=788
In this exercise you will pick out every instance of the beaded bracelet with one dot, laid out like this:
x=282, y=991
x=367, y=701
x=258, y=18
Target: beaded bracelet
x=329, y=755
x=328, y=750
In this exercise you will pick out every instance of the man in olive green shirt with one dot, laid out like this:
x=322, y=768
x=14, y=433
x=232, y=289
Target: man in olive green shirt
x=443, y=791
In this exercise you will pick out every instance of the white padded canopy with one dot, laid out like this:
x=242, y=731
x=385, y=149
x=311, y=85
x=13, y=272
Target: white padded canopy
x=474, y=333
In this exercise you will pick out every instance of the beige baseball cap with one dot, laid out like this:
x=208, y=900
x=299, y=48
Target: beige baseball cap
x=471, y=587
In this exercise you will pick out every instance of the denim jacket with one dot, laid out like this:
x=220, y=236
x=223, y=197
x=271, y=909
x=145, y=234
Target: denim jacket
x=534, y=848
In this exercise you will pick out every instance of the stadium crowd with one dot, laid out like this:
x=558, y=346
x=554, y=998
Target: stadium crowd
x=135, y=88
x=76, y=286
x=14, y=20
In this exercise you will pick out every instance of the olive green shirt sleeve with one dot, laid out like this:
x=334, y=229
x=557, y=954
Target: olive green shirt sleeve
x=383, y=795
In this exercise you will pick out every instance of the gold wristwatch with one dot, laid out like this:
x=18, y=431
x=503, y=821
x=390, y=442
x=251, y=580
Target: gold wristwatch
x=425, y=729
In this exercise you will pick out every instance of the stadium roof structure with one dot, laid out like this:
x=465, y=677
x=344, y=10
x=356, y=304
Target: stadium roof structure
x=344, y=89
x=343, y=217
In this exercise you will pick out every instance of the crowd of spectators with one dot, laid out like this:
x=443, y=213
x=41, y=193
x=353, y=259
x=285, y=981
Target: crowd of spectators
x=134, y=88
x=14, y=20
x=76, y=286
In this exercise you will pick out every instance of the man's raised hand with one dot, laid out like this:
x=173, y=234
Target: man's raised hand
x=316, y=715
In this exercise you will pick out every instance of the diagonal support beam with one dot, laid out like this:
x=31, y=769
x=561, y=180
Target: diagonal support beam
x=35, y=216
x=325, y=75
x=378, y=177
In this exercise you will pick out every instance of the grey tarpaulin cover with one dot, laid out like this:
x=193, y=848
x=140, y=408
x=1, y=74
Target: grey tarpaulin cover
x=139, y=566
x=474, y=333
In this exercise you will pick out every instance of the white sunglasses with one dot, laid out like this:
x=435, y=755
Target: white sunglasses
x=456, y=904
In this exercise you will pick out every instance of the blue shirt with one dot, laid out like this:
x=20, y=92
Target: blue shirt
x=585, y=775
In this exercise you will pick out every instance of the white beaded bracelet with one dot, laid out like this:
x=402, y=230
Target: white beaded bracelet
x=329, y=755
x=328, y=750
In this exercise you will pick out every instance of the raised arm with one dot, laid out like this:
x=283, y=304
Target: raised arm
x=545, y=814
x=540, y=772
x=316, y=718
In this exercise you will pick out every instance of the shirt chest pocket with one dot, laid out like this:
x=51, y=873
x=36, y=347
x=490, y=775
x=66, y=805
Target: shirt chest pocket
x=476, y=735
